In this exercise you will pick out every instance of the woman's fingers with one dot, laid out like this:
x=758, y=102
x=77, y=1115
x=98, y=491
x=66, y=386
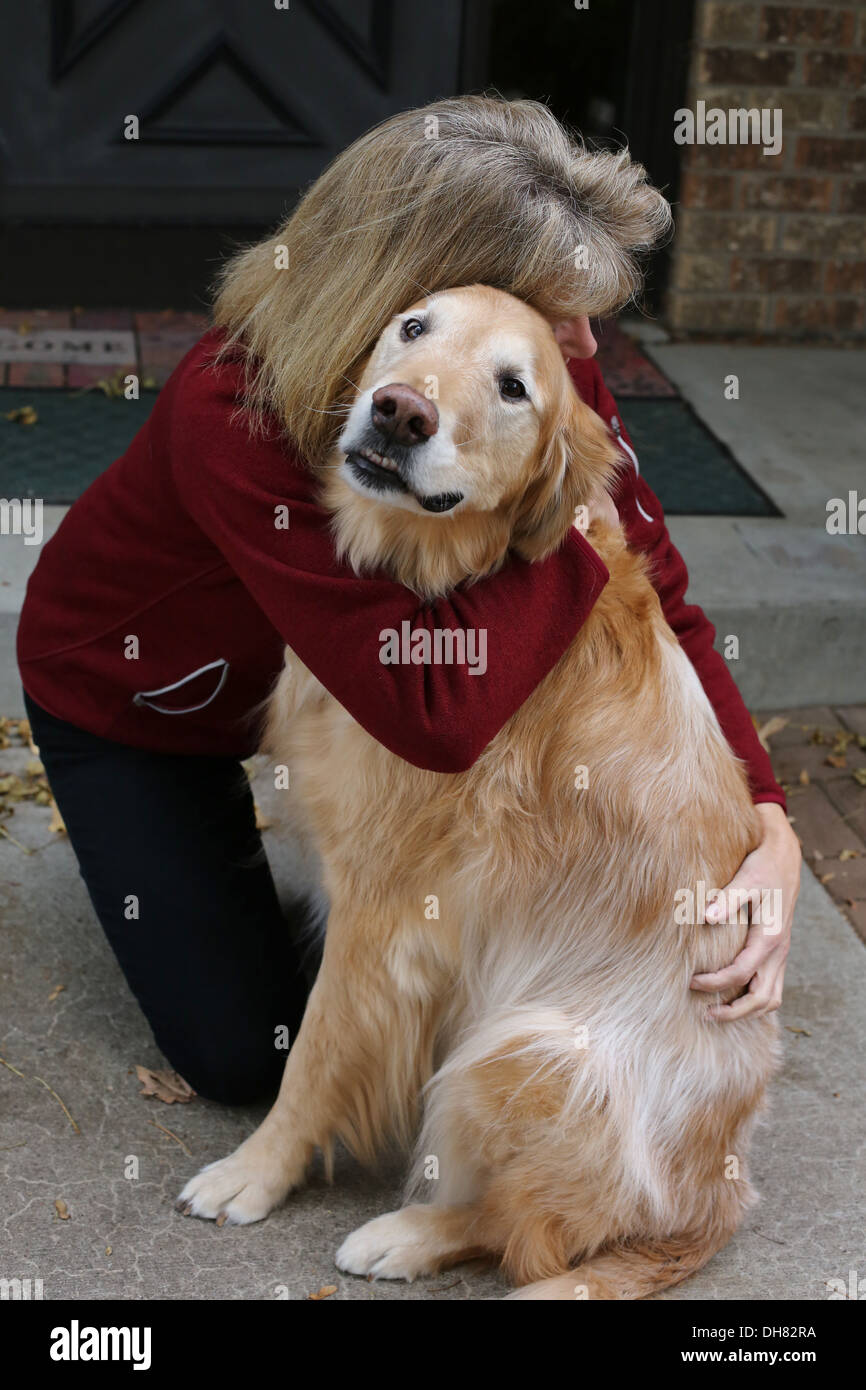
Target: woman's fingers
x=739, y=972
x=739, y=901
x=763, y=997
x=758, y=948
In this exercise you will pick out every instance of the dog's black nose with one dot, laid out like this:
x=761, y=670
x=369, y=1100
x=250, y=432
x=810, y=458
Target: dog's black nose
x=403, y=414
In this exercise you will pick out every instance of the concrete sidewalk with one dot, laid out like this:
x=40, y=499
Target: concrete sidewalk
x=792, y=593
x=122, y=1238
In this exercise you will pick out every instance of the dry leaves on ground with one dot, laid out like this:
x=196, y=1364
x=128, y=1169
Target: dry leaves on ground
x=166, y=1086
x=61, y=1208
x=324, y=1292
x=32, y=785
x=765, y=731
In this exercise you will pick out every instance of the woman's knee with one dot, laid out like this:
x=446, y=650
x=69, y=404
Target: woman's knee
x=231, y=1073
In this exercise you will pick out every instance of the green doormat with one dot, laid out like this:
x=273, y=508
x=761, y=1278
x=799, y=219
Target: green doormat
x=75, y=437
x=691, y=471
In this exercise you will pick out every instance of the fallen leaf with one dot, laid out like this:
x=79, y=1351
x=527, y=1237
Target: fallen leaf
x=804, y=1031
x=61, y=1208
x=805, y=779
x=859, y=775
x=108, y=1249
x=324, y=1292
x=835, y=760
x=825, y=878
x=23, y=415
x=849, y=854
x=166, y=1086
x=772, y=726
x=58, y=989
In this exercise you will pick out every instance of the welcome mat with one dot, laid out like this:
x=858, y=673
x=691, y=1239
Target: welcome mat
x=74, y=437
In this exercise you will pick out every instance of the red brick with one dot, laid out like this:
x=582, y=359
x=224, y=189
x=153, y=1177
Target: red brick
x=724, y=158
x=813, y=316
x=163, y=339
x=836, y=238
x=719, y=231
x=852, y=197
x=776, y=273
x=700, y=313
x=732, y=23
x=701, y=272
x=778, y=192
x=820, y=827
x=846, y=277
x=853, y=717
x=834, y=69
x=791, y=24
x=857, y=114
x=849, y=799
x=714, y=191
x=849, y=878
x=829, y=154
x=761, y=65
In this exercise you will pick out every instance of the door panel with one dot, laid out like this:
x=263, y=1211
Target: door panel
x=239, y=104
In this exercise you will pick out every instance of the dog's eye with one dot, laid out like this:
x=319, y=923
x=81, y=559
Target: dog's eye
x=511, y=388
x=411, y=328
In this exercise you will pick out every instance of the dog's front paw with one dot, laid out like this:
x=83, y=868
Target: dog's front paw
x=389, y=1247
x=239, y=1189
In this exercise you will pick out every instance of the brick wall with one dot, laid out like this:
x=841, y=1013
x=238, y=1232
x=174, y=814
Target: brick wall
x=776, y=245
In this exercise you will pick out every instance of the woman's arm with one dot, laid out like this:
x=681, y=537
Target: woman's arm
x=439, y=717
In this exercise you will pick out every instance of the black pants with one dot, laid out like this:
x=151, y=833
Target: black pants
x=168, y=848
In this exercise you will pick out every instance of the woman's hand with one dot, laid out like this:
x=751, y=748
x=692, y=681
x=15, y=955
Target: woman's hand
x=774, y=865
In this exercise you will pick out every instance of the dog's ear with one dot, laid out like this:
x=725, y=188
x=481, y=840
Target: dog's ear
x=577, y=458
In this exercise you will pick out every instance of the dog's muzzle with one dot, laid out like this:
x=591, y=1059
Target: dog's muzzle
x=386, y=473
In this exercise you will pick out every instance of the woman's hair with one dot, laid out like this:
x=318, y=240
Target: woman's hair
x=468, y=190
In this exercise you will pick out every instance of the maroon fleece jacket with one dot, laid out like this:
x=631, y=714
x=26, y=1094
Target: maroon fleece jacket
x=158, y=612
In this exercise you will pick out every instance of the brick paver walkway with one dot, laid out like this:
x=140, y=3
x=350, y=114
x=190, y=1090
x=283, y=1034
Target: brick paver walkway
x=820, y=759
x=162, y=338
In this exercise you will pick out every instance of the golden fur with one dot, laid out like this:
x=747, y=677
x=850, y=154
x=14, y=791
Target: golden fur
x=588, y=1121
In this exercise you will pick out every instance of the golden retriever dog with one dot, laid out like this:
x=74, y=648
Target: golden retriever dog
x=582, y=1118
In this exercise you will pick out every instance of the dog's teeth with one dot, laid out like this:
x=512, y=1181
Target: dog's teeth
x=380, y=459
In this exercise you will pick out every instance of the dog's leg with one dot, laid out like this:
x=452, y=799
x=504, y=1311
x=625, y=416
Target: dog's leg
x=416, y=1240
x=363, y=1051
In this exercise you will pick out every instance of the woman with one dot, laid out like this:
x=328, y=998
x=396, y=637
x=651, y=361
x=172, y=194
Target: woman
x=155, y=621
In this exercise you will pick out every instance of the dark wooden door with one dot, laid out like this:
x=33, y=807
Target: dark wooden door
x=239, y=103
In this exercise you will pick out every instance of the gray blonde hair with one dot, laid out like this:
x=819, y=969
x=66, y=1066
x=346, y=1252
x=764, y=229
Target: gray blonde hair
x=468, y=190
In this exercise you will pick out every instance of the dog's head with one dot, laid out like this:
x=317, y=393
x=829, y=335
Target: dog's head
x=466, y=438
